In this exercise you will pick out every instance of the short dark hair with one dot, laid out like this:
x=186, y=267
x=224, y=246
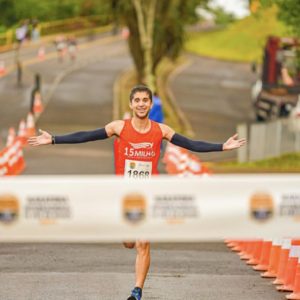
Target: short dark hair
x=140, y=88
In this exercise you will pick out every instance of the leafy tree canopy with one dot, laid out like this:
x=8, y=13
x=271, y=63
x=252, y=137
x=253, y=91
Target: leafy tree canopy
x=170, y=19
x=12, y=11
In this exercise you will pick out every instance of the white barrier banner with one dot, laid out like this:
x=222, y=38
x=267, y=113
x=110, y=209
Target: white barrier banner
x=95, y=208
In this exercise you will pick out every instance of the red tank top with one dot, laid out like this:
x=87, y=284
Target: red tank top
x=137, y=154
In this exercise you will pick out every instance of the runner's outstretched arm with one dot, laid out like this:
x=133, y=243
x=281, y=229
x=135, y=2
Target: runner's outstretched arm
x=46, y=138
x=200, y=146
x=73, y=138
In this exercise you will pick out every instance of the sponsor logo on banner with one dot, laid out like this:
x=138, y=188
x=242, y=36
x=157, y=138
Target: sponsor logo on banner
x=134, y=208
x=174, y=208
x=9, y=209
x=47, y=208
x=261, y=206
x=290, y=206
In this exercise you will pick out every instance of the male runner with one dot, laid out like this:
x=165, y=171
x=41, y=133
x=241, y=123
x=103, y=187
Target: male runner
x=137, y=151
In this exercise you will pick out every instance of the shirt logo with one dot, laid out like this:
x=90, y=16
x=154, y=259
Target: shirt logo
x=141, y=145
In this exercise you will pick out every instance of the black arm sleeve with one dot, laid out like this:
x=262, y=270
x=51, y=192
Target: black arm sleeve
x=197, y=146
x=80, y=137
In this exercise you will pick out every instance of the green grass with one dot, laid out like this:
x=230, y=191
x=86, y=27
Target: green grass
x=240, y=41
x=285, y=163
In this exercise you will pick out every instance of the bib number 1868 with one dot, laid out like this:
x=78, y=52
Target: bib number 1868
x=138, y=169
x=138, y=174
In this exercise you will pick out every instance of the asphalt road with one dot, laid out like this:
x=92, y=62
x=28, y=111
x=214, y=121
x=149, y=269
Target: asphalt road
x=215, y=97
x=202, y=271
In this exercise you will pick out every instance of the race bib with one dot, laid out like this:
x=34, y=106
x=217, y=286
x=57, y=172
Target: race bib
x=137, y=169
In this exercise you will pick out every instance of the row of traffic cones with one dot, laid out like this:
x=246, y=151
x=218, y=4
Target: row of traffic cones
x=179, y=161
x=12, y=160
x=277, y=258
x=26, y=130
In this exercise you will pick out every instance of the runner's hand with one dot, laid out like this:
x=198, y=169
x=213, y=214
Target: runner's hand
x=43, y=139
x=233, y=143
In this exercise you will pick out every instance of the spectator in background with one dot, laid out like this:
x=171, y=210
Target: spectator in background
x=72, y=47
x=35, y=31
x=156, y=113
x=21, y=33
x=61, y=47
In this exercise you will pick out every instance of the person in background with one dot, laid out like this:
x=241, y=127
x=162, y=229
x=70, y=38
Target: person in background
x=72, y=47
x=156, y=113
x=61, y=47
x=21, y=33
x=35, y=31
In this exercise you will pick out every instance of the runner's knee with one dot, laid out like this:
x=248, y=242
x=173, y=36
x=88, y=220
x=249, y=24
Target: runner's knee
x=142, y=247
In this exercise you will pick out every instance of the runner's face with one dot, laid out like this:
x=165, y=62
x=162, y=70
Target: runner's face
x=141, y=105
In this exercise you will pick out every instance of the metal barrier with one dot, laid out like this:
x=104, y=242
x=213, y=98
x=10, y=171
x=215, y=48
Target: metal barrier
x=270, y=139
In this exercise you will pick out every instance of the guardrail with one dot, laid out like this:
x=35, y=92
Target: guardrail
x=269, y=139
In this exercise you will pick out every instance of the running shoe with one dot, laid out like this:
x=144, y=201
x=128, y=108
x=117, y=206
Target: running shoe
x=136, y=294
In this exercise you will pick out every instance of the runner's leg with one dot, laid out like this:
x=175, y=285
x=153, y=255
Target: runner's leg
x=142, y=263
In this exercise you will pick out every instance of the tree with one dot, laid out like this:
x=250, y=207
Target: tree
x=288, y=12
x=221, y=16
x=163, y=38
x=145, y=21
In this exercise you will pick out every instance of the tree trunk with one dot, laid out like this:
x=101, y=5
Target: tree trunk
x=145, y=26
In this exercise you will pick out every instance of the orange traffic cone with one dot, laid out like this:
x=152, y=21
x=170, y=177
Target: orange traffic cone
x=284, y=255
x=265, y=256
x=248, y=252
x=274, y=260
x=230, y=242
x=37, y=104
x=236, y=246
x=290, y=270
x=11, y=136
x=244, y=247
x=195, y=166
x=2, y=68
x=3, y=162
x=11, y=154
x=41, y=53
x=296, y=290
x=30, y=127
x=22, y=132
x=256, y=253
x=20, y=162
x=239, y=246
